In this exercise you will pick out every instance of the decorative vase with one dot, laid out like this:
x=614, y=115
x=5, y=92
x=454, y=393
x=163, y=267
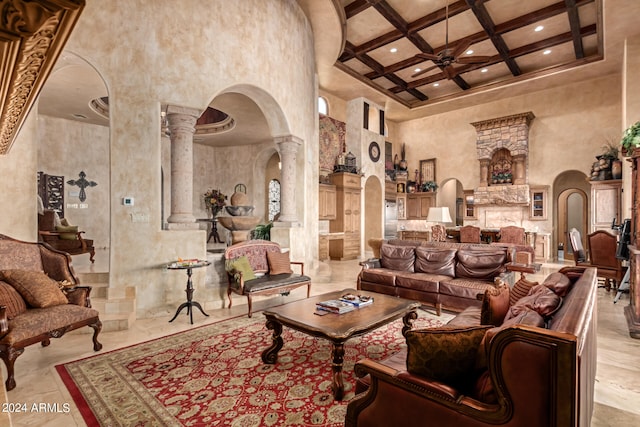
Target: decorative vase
x=403, y=165
x=616, y=169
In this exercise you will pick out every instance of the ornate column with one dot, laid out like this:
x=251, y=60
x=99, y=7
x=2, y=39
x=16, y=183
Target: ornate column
x=484, y=172
x=182, y=123
x=288, y=148
x=519, y=169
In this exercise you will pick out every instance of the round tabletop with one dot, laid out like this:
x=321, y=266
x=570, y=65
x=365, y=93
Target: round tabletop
x=189, y=263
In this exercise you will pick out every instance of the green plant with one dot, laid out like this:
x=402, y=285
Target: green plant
x=429, y=186
x=631, y=137
x=262, y=231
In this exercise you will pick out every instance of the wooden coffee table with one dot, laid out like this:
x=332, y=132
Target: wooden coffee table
x=337, y=328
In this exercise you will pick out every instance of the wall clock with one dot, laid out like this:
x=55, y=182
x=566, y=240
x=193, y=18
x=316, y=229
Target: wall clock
x=374, y=151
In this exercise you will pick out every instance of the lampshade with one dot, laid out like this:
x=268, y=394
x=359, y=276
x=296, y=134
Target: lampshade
x=439, y=214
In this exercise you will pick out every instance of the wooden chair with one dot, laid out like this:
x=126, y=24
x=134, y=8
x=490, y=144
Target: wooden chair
x=70, y=242
x=512, y=234
x=469, y=234
x=438, y=233
x=579, y=255
x=602, y=251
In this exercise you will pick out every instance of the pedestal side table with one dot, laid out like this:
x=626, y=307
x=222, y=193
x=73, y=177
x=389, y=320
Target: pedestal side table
x=188, y=265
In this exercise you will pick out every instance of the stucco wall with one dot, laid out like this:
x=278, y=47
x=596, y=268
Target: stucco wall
x=209, y=47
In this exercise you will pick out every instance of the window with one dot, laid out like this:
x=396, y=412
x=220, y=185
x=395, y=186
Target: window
x=274, y=198
x=323, y=106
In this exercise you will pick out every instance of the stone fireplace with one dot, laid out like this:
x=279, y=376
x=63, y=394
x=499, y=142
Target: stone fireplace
x=503, y=149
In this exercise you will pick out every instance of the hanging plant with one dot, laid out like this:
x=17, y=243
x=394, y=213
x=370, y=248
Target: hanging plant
x=631, y=138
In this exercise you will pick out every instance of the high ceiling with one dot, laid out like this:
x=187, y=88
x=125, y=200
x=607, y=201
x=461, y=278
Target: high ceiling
x=385, y=41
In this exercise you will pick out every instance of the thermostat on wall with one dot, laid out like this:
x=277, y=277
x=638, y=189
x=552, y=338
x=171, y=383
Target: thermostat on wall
x=127, y=201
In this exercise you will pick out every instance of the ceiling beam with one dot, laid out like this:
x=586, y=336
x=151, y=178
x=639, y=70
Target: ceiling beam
x=574, y=22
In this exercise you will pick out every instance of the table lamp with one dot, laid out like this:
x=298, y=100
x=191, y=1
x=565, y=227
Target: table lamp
x=439, y=215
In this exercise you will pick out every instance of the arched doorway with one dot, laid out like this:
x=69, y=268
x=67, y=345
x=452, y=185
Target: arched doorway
x=571, y=191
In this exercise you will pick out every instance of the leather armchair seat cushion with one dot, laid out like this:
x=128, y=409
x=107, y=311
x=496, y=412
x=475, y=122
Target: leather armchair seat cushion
x=436, y=261
x=401, y=258
x=379, y=275
x=480, y=264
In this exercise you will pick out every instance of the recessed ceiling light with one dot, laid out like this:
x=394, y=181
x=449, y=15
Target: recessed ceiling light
x=538, y=28
x=469, y=52
x=79, y=116
x=393, y=50
x=436, y=84
x=546, y=52
x=484, y=70
x=417, y=70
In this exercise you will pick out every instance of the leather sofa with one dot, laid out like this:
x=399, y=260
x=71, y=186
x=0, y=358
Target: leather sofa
x=441, y=274
x=534, y=374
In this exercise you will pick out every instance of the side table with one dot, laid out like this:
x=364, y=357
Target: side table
x=523, y=268
x=213, y=231
x=188, y=265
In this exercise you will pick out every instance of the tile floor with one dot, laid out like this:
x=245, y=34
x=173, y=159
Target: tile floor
x=617, y=391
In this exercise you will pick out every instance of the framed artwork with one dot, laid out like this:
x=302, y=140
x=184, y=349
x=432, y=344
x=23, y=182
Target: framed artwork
x=427, y=170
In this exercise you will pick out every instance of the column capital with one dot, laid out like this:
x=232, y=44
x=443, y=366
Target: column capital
x=176, y=109
x=288, y=142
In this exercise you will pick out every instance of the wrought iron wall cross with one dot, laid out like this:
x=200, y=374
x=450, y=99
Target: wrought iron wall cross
x=82, y=183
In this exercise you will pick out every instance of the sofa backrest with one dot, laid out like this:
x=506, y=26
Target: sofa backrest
x=18, y=255
x=255, y=251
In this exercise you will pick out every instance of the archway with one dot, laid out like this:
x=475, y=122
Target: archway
x=571, y=209
x=450, y=195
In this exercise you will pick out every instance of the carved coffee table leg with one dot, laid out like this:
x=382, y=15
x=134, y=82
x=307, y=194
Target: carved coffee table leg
x=337, y=384
x=270, y=355
x=407, y=320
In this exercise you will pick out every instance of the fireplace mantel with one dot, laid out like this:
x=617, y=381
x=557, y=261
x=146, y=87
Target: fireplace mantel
x=502, y=195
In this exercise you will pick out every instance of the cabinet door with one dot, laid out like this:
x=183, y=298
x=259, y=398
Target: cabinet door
x=605, y=204
x=426, y=201
x=327, y=199
x=413, y=207
x=352, y=221
x=538, y=197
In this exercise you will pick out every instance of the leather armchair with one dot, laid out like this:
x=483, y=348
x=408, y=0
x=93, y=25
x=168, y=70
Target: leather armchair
x=512, y=234
x=73, y=246
x=602, y=250
x=469, y=234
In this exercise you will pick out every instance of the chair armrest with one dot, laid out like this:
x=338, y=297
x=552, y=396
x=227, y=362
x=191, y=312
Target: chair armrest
x=79, y=296
x=57, y=264
x=4, y=321
x=370, y=263
x=301, y=264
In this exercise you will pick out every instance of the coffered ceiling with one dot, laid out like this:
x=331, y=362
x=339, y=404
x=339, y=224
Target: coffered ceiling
x=386, y=43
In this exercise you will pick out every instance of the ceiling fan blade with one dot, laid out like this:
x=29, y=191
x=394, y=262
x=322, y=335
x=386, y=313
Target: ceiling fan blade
x=473, y=59
x=428, y=56
x=450, y=72
x=461, y=48
x=421, y=72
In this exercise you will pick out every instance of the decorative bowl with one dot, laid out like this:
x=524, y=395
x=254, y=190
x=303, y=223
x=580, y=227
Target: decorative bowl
x=239, y=210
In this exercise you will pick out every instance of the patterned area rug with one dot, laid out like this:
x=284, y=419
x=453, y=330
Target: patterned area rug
x=213, y=376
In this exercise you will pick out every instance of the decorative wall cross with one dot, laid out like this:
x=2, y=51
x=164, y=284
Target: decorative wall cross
x=82, y=183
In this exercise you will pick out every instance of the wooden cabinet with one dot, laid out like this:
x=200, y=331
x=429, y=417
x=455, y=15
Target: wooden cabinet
x=327, y=199
x=415, y=235
x=469, y=205
x=632, y=311
x=542, y=247
x=348, y=216
x=539, y=196
x=418, y=205
x=606, y=204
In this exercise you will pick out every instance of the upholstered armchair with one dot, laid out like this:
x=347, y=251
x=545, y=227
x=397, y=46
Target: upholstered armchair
x=62, y=237
x=512, y=234
x=438, y=233
x=602, y=250
x=469, y=234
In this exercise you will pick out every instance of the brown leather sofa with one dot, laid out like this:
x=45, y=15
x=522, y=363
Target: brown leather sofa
x=445, y=275
x=33, y=308
x=533, y=376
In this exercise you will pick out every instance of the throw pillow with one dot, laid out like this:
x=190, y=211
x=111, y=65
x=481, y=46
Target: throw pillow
x=436, y=261
x=495, y=305
x=523, y=317
x=520, y=289
x=480, y=264
x=241, y=265
x=541, y=299
x=400, y=258
x=558, y=283
x=279, y=262
x=11, y=299
x=67, y=232
x=444, y=354
x=37, y=289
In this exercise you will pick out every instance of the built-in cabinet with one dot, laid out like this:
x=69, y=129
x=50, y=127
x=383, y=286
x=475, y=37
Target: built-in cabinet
x=542, y=247
x=606, y=204
x=418, y=205
x=415, y=235
x=347, y=220
x=327, y=199
x=539, y=196
x=632, y=311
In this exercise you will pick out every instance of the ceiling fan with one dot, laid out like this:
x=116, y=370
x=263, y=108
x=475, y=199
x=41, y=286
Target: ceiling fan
x=448, y=56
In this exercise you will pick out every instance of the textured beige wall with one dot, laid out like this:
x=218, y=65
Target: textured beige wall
x=210, y=47
x=67, y=147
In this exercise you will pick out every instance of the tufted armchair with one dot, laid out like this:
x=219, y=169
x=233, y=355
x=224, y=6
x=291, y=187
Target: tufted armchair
x=63, y=238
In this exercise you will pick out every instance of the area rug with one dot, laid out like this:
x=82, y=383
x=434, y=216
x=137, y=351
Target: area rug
x=213, y=376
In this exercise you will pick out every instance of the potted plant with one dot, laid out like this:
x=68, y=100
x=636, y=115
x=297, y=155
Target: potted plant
x=429, y=186
x=631, y=139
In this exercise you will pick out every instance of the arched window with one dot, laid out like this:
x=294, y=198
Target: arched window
x=323, y=106
x=274, y=198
